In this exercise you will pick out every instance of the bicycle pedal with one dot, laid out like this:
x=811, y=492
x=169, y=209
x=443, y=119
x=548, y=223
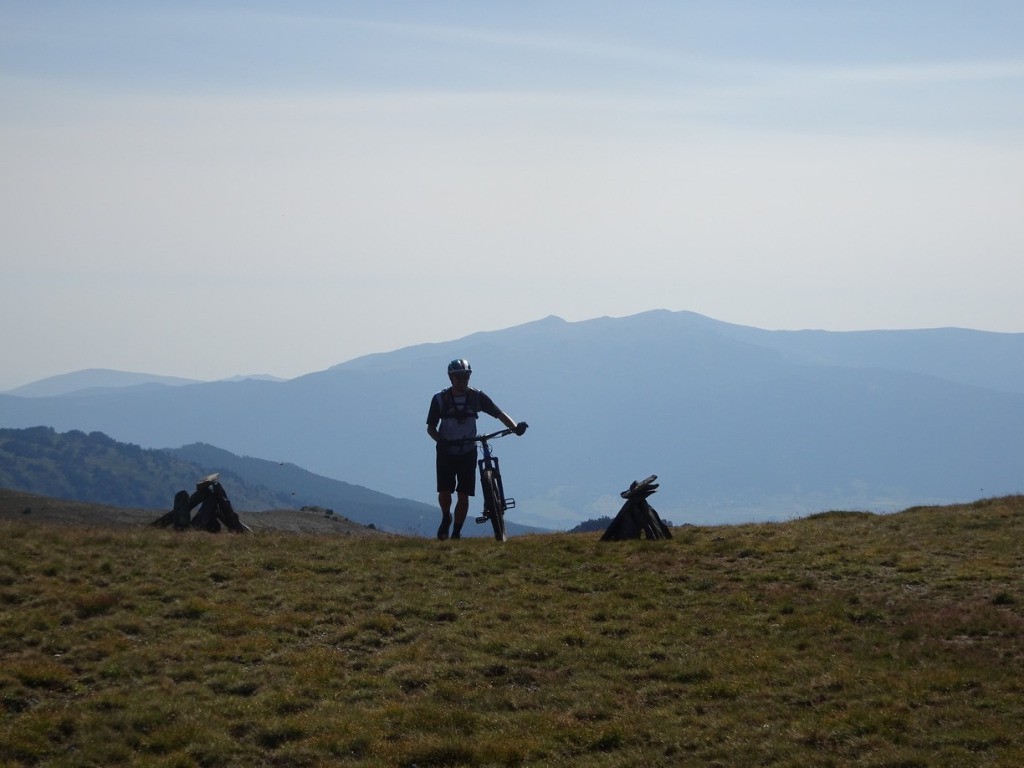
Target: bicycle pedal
x=510, y=503
x=482, y=520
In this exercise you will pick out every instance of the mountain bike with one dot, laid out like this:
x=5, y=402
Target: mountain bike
x=495, y=502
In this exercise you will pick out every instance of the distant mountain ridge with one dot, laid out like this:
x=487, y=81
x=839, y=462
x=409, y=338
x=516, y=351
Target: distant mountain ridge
x=94, y=378
x=98, y=380
x=739, y=423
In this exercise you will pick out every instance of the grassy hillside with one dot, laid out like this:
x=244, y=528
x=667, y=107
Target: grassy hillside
x=29, y=507
x=835, y=640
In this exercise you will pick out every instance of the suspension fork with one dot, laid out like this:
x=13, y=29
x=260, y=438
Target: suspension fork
x=489, y=459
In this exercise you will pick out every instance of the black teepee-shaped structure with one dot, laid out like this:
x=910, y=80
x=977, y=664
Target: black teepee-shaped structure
x=637, y=516
x=216, y=509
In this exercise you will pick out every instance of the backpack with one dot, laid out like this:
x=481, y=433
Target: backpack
x=449, y=410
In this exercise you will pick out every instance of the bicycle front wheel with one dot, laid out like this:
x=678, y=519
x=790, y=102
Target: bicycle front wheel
x=494, y=502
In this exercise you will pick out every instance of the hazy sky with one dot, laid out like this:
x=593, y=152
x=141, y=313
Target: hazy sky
x=212, y=188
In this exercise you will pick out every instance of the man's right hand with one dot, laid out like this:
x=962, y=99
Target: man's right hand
x=521, y=428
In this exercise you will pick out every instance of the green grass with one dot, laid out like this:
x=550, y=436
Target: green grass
x=836, y=640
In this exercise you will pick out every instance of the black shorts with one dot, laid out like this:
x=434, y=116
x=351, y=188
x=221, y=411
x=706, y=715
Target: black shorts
x=456, y=472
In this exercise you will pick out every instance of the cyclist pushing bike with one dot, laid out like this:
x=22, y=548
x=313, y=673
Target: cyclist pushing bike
x=451, y=423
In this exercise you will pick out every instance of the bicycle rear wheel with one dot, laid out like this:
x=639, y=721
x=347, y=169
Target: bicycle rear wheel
x=494, y=502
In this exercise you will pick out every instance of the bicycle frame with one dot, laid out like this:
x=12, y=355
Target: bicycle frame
x=491, y=485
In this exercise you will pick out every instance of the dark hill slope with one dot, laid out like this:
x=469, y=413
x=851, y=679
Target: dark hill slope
x=95, y=468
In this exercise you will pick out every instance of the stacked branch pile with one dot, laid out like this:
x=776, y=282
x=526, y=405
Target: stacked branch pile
x=637, y=517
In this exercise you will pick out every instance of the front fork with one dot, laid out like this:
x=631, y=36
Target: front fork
x=490, y=461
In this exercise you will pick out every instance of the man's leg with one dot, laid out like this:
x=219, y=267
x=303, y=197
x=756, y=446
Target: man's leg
x=444, y=500
x=461, y=509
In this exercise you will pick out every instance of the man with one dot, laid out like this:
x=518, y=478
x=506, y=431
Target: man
x=450, y=421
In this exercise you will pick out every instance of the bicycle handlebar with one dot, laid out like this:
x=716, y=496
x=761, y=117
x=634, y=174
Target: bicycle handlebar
x=499, y=433
x=482, y=438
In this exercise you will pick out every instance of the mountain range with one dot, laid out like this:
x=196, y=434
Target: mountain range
x=105, y=378
x=739, y=423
